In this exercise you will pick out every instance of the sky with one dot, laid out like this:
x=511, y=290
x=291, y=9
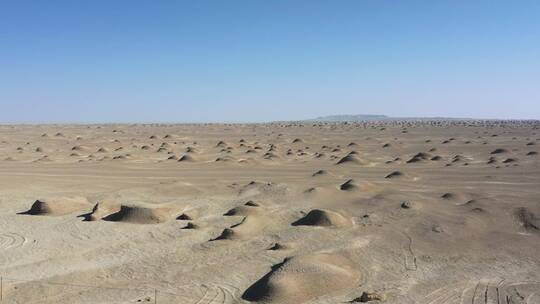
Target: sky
x=261, y=60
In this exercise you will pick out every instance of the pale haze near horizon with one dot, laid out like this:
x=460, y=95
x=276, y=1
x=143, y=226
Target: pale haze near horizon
x=253, y=61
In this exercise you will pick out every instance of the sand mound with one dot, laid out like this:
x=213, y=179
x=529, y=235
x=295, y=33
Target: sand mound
x=90, y=216
x=527, y=219
x=79, y=148
x=499, y=151
x=241, y=211
x=226, y=234
x=448, y=195
x=303, y=278
x=324, y=218
x=57, y=206
x=276, y=246
x=184, y=217
x=100, y=210
x=418, y=157
x=270, y=156
x=186, y=158
x=190, y=225
x=348, y=186
x=394, y=174
x=320, y=172
x=350, y=158
x=138, y=215
x=225, y=159
x=368, y=297
x=251, y=204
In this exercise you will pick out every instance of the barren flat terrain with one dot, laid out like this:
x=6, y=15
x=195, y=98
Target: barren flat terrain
x=390, y=212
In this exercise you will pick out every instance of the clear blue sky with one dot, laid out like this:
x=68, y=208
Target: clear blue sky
x=259, y=60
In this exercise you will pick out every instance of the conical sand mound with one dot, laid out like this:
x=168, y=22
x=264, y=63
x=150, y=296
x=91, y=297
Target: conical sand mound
x=58, y=206
x=90, y=216
x=350, y=159
x=186, y=158
x=138, y=215
x=226, y=234
x=348, y=186
x=99, y=211
x=320, y=172
x=418, y=157
x=241, y=211
x=394, y=174
x=303, y=278
x=324, y=218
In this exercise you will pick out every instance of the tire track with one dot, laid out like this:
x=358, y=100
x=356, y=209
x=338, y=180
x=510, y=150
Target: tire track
x=11, y=240
x=409, y=257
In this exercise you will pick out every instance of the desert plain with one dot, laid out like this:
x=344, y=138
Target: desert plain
x=421, y=212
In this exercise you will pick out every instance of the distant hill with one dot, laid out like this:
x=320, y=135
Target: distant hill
x=371, y=117
x=358, y=117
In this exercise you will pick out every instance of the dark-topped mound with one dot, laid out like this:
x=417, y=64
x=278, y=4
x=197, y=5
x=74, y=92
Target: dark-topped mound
x=394, y=174
x=38, y=208
x=251, y=204
x=241, y=211
x=184, y=217
x=419, y=157
x=190, y=225
x=90, y=216
x=499, y=151
x=226, y=234
x=349, y=185
x=186, y=158
x=349, y=158
x=325, y=218
x=448, y=195
x=320, y=172
x=57, y=206
x=276, y=246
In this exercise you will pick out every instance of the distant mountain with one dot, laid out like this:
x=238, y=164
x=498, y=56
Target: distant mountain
x=370, y=117
x=358, y=117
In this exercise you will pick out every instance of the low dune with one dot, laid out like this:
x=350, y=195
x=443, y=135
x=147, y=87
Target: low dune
x=304, y=278
x=139, y=215
x=57, y=206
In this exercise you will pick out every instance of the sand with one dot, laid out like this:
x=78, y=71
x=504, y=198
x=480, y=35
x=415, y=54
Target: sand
x=383, y=212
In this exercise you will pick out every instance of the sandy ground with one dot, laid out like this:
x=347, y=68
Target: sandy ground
x=397, y=212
